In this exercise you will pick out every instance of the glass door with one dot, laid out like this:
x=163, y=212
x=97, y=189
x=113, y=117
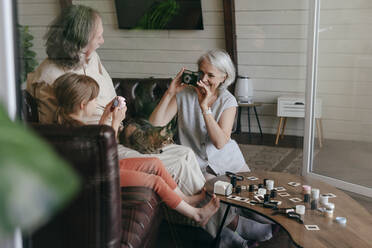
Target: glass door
x=338, y=138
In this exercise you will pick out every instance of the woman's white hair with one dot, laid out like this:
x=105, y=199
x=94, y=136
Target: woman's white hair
x=222, y=61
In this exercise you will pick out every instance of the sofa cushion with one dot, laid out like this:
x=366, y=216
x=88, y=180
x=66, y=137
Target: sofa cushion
x=141, y=95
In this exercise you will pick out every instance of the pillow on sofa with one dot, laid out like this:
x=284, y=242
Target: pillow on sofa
x=142, y=136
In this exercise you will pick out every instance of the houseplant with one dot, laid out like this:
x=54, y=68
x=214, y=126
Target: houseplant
x=27, y=56
x=159, y=14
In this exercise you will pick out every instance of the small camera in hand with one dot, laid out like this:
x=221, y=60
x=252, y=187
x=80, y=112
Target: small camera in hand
x=190, y=77
x=114, y=104
x=119, y=101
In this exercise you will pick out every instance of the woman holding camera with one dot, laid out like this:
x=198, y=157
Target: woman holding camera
x=206, y=113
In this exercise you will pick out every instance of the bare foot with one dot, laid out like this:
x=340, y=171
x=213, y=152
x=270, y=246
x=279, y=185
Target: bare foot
x=206, y=212
x=195, y=199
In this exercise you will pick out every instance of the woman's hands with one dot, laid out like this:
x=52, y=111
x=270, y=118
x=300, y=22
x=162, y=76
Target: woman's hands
x=167, y=107
x=205, y=95
x=176, y=85
x=219, y=132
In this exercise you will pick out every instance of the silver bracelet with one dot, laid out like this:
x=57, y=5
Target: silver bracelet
x=208, y=112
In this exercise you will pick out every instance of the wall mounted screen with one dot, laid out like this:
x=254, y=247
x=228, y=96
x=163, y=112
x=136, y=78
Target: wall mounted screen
x=159, y=14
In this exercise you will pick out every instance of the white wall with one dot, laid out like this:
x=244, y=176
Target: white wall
x=345, y=75
x=272, y=45
x=272, y=50
x=134, y=53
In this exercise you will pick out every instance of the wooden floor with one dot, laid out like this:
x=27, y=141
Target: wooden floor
x=268, y=140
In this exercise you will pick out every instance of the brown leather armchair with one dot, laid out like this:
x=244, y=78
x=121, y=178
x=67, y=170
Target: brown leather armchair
x=102, y=214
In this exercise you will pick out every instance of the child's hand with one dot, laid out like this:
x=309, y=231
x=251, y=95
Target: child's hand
x=106, y=113
x=118, y=115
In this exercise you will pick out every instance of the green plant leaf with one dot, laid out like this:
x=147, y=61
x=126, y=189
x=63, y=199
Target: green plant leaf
x=158, y=15
x=27, y=56
x=34, y=181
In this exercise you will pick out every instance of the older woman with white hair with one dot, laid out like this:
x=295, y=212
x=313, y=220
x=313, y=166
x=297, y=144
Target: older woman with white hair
x=206, y=114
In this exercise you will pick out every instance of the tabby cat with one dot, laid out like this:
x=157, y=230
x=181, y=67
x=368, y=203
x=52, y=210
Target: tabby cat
x=143, y=137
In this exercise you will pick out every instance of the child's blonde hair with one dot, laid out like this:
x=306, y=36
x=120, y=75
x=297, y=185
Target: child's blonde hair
x=71, y=90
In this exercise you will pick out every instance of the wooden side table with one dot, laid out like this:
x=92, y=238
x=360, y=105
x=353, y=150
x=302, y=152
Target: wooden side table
x=282, y=127
x=294, y=106
x=248, y=106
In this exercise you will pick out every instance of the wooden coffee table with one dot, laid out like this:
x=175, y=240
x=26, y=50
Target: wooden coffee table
x=356, y=233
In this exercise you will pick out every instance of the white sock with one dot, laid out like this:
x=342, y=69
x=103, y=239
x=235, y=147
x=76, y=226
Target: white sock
x=231, y=239
x=253, y=230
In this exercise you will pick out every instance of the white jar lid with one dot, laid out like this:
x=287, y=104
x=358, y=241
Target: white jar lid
x=329, y=205
x=341, y=220
x=300, y=209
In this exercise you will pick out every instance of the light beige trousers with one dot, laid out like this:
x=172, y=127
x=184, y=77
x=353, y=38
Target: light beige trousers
x=180, y=162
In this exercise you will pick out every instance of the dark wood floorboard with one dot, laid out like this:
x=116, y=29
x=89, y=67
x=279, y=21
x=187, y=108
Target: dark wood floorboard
x=268, y=140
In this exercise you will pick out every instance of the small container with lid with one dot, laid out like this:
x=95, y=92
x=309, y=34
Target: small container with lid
x=251, y=188
x=328, y=213
x=323, y=200
x=270, y=184
x=238, y=189
x=273, y=193
x=233, y=181
x=306, y=189
x=329, y=209
x=315, y=194
x=300, y=209
x=261, y=191
x=329, y=205
x=341, y=220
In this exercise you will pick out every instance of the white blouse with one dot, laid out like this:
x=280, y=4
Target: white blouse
x=193, y=133
x=40, y=81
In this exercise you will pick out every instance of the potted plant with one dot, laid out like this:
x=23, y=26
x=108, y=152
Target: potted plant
x=27, y=56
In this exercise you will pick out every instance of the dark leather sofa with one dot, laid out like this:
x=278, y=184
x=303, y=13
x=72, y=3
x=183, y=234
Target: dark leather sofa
x=139, y=91
x=102, y=214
